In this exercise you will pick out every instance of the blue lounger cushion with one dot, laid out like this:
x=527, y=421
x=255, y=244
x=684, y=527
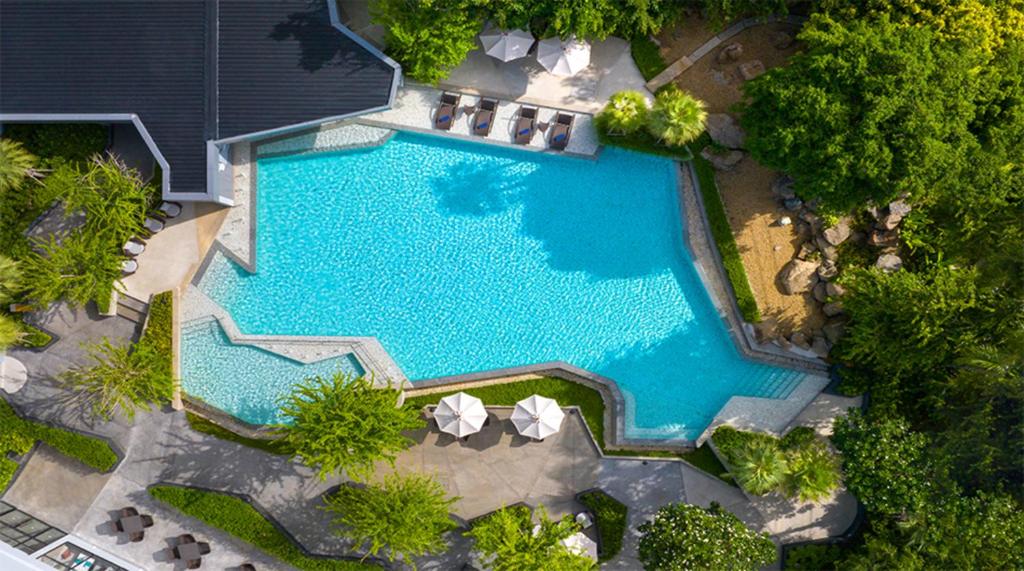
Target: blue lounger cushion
x=482, y=125
x=443, y=118
x=524, y=131
x=559, y=137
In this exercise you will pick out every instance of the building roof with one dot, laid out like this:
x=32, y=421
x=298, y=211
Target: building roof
x=191, y=70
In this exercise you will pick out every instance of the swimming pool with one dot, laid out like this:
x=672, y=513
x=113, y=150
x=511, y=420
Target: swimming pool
x=463, y=257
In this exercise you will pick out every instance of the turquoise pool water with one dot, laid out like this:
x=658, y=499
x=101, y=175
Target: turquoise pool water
x=463, y=257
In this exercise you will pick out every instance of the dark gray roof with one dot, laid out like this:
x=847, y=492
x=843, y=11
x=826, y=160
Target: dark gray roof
x=269, y=64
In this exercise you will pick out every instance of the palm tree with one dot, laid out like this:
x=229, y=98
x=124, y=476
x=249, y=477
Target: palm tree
x=677, y=117
x=813, y=472
x=10, y=279
x=759, y=466
x=16, y=164
x=625, y=113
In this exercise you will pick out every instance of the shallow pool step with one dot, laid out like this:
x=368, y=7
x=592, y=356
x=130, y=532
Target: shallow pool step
x=131, y=308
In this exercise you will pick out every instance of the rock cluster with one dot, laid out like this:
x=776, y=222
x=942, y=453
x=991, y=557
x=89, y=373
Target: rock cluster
x=725, y=131
x=815, y=263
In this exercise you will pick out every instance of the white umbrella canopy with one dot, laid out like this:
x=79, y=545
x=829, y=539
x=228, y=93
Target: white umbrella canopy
x=537, y=417
x=563, y=57
x=580, y=544
x=13, y=374
x=460, y=415
x=506, y=45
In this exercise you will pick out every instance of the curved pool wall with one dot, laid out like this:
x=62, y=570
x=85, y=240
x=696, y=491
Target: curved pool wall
x=460, y=257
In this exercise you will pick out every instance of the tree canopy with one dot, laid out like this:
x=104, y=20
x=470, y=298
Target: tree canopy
x=403, y=515
x=685, y=536
x=120, y=378
x=344, y=424
x=506, y=541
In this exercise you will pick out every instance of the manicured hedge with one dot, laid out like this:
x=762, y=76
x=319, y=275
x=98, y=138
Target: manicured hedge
x=610, y=519
x=722, y=233
x=18, y=434
x=159, y=333
x=200, y=424
x=647, y=57
x=507, y=394
x=236, y=517
x=7, y=469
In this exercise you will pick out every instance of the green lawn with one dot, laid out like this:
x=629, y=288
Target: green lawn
x=18, y=434
x=508, y=394
x=238, y=518
x=200, y=424
x=610, y=518
x=647, y=57
x=722, y=233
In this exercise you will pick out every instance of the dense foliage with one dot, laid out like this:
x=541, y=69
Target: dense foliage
x=922, y=100
x=18, y=434
x=610, y=519
x=273, y=446
x=16, y=165
x=404, y=516
x=676, y=117
x=506, y=541
x=120, y=378
x=345, y=424
x=236, y=517
x=625, y=113
x=58, y=143
x=428, y=37
x=798, y=465
x=684, y=536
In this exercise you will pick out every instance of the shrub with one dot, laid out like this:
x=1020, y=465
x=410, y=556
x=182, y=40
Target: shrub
x=610, y=519
x=406, y=516
x=506, y=541
x=676, y=117
x=625, y=113
x=16, y=165
x=60, y=142
x=759, y=466
x=157, y=339
x=428, y=37
x=797, y=438
x=7, y=469
x=343, y=423
x=10, y=332
x=813, y=558
x=647, y=57
x=273, y=446
x=18, y=435
x=813, y=472
x=120, y=378
x=683, y=536
x=236, y=517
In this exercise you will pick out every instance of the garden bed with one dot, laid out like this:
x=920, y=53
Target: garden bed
x=610, y=519
x=239, y=518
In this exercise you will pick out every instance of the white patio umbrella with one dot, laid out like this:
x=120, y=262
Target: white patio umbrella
x=563, y=57
x=506, y=45
x=460, y=415
x=537, y=417
x=13, y=374
x=580, y=544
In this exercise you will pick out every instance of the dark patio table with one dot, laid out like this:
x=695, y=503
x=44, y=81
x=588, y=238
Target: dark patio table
x=188, y=551
x=132, y=524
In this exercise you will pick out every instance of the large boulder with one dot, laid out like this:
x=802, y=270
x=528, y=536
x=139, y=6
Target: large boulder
x=894, y=214
x=751, y=69
x=819, y=292
x=766, y=330
x=792, y=204
x=725, y=161
x=828, y=251
x=884, y=238
x=838, y=233
x=834, y=290
x=828, y=270
x=820, y=346
x=730, y=53
x=781, y=40
x=889, y=262
x=833, y=309
x=725, y=131
x=783, y=187
x=798, y=276
x=799, y=339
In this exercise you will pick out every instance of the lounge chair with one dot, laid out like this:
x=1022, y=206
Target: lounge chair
x=445, y=115
x=483, y=121
x=152, y=226
x=134, y=247
x=561, y=129
x=526, y=125
x=129, y=267
x=170, y=209
x=204, y=548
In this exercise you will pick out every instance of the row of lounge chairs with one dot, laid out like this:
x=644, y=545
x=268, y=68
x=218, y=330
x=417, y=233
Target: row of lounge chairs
x=525, y=122
x=153, y=224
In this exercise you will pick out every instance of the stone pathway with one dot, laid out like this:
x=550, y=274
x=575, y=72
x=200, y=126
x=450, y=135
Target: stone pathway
x=686, y=62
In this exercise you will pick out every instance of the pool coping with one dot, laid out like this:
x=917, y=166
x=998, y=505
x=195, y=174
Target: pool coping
x=706, y=261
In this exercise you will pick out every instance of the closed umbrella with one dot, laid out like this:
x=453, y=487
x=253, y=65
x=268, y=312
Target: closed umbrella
x=537, y=417
x=460, y=415
x=563, y=57
x=13, y=374
x=506, y=45
x=580, y=544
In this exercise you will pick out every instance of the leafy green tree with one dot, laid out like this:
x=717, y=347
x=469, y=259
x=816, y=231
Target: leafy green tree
x=345, y=424
x=10, y=332
x=584, y=19
x=883, y=462
x=16, y=165
x=684, y=536
x=120, y=377
x=506, y=541
x=849, y=134
x=905, y=323
x=812, y=472
x=625, y=113
x=759, y=466
x=81, y=268
x=428, y=37
x=10, y=279
x=676, y=117
x=405, y=516
x=114, y=198
x=721, y=12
